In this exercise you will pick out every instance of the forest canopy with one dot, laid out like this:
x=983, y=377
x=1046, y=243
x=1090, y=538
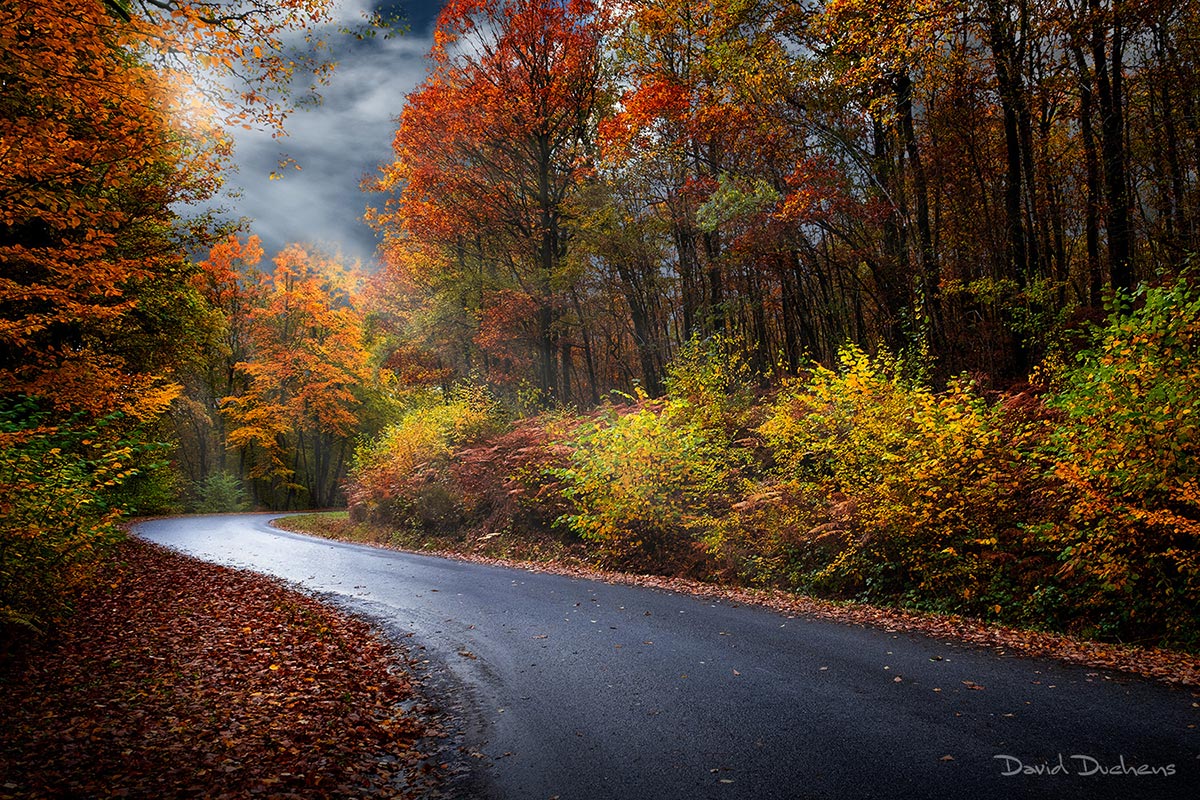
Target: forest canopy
x=111, y=130
x=581, y=188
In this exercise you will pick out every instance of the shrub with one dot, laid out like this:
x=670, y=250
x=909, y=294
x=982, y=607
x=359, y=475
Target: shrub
x=399, y=478
x=54, y=522
x=219, y=493
x=152, y=484
x=710, y=384
x=512, y=483
x=647, y=484
x=778, y=532
x=1128, y=450
x=931, y=495
x=157, y=487
x=850, y=426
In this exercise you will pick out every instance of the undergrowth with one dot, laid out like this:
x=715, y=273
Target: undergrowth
x=1070, y=505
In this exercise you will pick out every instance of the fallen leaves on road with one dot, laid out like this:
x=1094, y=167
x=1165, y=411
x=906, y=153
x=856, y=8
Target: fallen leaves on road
x=177, y=678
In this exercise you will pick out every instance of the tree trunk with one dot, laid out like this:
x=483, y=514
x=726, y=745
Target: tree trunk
x=1108, y=62
x=644, y=337
x=931, y=297
x=1008, y=84
x=1092, y=170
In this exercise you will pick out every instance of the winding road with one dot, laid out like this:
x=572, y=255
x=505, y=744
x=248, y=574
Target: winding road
x=577, y=689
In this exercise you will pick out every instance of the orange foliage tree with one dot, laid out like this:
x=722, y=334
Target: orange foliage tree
x=295, y=421
x=231, y=287
x=90, y=168
x=108, y=126
x=489, y=149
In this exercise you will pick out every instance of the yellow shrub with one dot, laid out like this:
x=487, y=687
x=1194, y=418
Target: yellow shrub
x=395, y=479
x=929, y=492
x=647, y=485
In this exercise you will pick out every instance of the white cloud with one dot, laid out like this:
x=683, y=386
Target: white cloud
x=336, y=143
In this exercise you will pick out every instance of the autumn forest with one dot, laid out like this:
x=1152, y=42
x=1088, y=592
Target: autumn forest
x=890, y=301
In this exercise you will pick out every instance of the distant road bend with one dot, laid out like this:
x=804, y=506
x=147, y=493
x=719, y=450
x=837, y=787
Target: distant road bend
x=578, y=689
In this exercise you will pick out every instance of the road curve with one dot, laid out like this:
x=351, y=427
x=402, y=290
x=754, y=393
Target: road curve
x=582, y=690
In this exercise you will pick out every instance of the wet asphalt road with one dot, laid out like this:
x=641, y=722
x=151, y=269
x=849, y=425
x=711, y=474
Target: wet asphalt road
x=576, y=689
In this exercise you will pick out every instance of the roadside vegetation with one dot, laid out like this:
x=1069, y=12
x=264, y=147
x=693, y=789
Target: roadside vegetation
x=1069, y=505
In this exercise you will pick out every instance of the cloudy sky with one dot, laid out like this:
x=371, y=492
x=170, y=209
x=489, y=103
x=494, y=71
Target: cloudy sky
x=336, y=144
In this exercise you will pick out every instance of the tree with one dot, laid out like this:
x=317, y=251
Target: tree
x=90, y=171
x=105, y=135
x=296, y=419
x=232, y=289
x=961, y=182
x=240, y=59
x=671, y=115
x=108, y=129
x=491, y=148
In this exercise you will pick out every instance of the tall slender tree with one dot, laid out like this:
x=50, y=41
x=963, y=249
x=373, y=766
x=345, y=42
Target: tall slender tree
x=492, y=147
